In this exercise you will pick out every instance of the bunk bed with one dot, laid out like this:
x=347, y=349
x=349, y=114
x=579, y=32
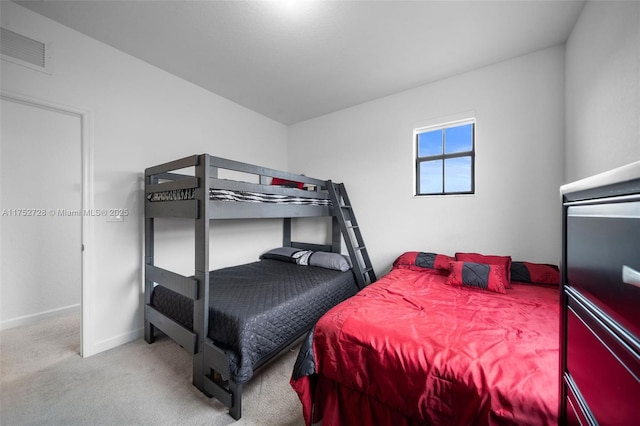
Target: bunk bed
x=441, y=340
x=236, y=320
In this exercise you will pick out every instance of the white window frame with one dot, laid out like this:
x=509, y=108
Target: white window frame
x=437, y=125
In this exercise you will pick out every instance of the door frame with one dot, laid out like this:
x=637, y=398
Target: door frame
x=87, y=231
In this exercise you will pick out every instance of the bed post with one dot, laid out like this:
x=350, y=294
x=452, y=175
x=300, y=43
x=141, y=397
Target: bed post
x=336, y=235
x=235, y=410
x=201, y=304
x=286, y=232
x=149, y=329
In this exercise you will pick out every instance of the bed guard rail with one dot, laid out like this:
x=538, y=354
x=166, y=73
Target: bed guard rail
x=171, y=193
x=162, y=178
x=186, y=286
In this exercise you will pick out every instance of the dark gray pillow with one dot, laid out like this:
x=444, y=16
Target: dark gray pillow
x=281, y=253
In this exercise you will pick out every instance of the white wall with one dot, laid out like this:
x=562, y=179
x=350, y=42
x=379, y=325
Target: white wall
x=141, y=116
x=515, y=211
x=603, y=89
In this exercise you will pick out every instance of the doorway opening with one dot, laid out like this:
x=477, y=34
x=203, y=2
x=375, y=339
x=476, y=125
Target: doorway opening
x=45, y=189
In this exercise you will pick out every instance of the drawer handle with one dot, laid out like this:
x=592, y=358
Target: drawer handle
x=630, y=276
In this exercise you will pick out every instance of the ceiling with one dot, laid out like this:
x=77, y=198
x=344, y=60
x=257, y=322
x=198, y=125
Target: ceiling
x=293, y=60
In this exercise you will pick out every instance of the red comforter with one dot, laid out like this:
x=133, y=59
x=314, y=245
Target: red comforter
x=410, y=349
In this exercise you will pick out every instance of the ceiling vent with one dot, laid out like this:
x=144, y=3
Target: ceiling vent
x=25, y=51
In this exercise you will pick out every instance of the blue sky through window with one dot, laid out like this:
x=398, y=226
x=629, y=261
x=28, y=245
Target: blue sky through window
x=458, y=139
x=445, y=160
x=457, y=174
x=431, y=176
x=430, y=143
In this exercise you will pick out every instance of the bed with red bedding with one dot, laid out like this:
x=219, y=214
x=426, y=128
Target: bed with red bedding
x=413, y=349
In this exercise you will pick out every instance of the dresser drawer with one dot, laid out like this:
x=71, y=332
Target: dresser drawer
x=578, y=413
x=602, y=241
x=604, y=370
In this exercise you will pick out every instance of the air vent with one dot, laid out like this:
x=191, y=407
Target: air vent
x=24, y=51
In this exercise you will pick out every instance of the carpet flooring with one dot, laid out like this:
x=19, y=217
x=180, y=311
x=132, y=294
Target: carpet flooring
x=44, y=381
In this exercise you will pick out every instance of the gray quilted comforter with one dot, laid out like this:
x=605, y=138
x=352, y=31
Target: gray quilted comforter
x=259, y=308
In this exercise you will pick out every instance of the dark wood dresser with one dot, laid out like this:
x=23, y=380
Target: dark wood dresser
x=600, y=311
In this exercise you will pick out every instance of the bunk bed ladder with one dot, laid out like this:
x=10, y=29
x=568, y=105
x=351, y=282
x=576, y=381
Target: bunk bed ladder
x=343, y=211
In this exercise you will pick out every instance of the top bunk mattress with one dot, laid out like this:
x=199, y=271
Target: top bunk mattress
x=259, y=308
x=234, y=195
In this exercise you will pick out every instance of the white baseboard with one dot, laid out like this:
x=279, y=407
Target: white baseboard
x=113, y=342
x=30, y=319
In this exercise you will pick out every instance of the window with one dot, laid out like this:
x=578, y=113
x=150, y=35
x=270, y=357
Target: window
x=445, y=157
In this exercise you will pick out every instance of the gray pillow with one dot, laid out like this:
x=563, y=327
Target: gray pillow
x=330, y=261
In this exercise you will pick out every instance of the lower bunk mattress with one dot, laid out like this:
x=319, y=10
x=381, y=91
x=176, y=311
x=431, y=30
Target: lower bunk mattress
x=257, y=309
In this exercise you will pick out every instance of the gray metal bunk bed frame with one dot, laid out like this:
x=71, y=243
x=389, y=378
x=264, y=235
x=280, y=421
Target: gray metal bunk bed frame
x=207, y=357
